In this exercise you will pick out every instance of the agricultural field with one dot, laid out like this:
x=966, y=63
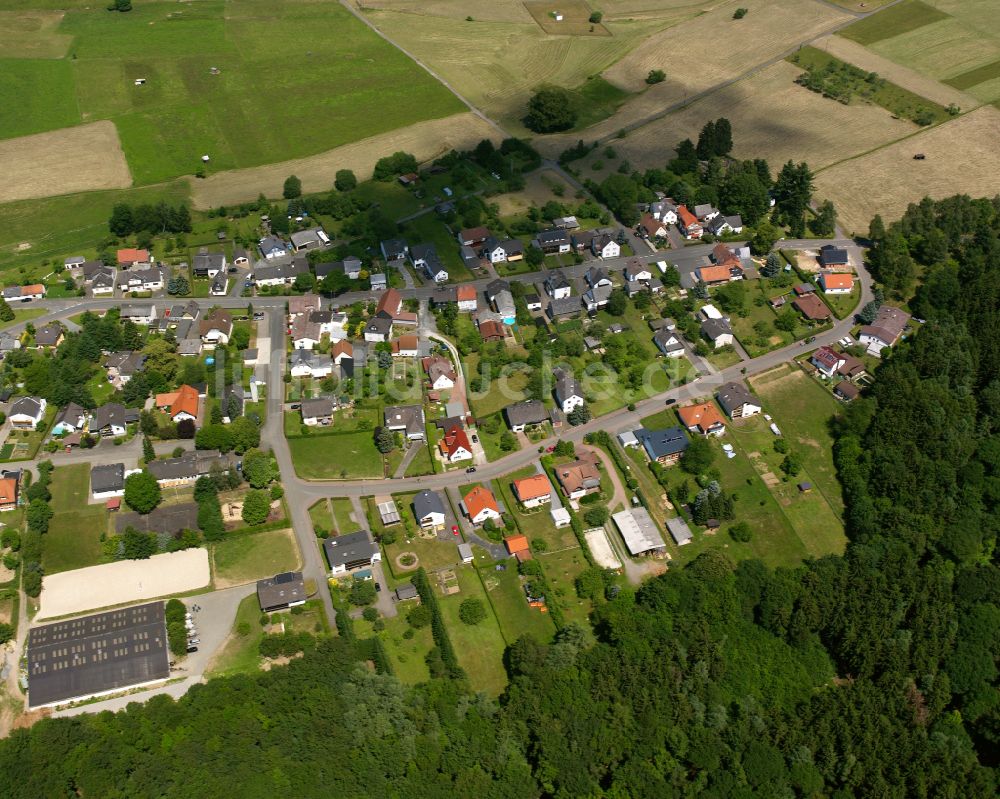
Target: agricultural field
x=215, y=82
x=250, y=557
x=888, y=179
x=954, y=41
x=773, y=118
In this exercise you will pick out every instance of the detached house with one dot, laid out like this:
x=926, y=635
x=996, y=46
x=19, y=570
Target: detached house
x=579, y=478
x=885, y=330
x=408, y=419
x=440, y=372
x=50, y=335
x=71, y=419
x=405, y=347
x=533, y=491
x=663, y=446
x=480, y=505
x=428, y=509
x=466, y=298
x=524, y=414
x=704, y=419
x=216, y=328
x=558, y=286
x=552, y=242
x=129, y=256
x=827, y=361
x=306, y=363
x=688, y=223
x=651, y=227
x=718, y=332
x=208, y=264
x=474, y=237
x=568, y=393
x=150, y=279
x=26, y=413
x=737, y=401
x=597, y=297
x=425, y=257
x=637, y=270
x=497, y=251
x=316, y=411
x=109, y=420
x=272, y=247
x=180, y=404
x=836, y=282
x=353, y=551
x=309, y=239
x=596, y=277
x=605, y=246
x=455, y=445
x=140, y=314
x=668, y=343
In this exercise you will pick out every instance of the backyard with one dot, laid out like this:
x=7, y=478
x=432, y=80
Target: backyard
x=240, y=654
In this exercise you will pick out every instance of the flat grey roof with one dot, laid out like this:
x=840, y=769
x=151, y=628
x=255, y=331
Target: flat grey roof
x=638, y=530
x=96, y=654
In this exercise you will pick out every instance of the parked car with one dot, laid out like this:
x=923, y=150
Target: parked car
x=454, y=529
x=670, y=401
x=475, y=439
x=191, y=649
x=470, y=470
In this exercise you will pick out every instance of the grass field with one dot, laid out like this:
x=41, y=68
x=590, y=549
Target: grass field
x=70, y=488
x=321, y=517
x=561, y=570
x=479, y=647
x=74, y=539
x=252, y=557
x=342, y=510
x=240, y=654
x=336, y=455
x=23, y=315
x=902, y=18
x=407, y=655
x=887, y=180
x=511, y=607
x=253, y=110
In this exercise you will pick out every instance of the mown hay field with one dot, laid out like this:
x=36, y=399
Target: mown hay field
x=961, y=156
x=772, y=118
x=425, y=140
x=32, y=33
x=82, y=158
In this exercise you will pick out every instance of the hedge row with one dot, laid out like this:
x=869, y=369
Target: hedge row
x=438, y=628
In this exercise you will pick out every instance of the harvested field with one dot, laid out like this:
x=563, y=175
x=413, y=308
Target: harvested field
x=33, y=34
x=479, y=10
x=426, y=140
x=910, y=15
x=772, y=118
x=909, y=79
x=538, y=190
x=122, y=582
x=81, y=158
x=575, y=18
x=887, y=180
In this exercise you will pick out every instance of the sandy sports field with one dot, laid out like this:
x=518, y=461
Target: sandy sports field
x=961, y=158
x=82, y=158
x=122, y=582
x=772, y=118
x=426, y=140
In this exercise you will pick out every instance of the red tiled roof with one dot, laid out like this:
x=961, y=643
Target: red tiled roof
x=703, y=416
x=183, y=400
x=131, y=255
x=837, y=280
x=390, y=301
x=812, y=307
x=8, y=491
x=454, y=440
x=714, y=274
x=478, y=500
x=532, y=487
x=517, y=543
x=686, y=218
x=465, y=292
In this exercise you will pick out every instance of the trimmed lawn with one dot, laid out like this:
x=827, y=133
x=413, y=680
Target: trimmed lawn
x=74, y=540
x=320, y=516
x=533, y=522
x=342, y=510
x=307, y=618
x=843, y=305
x=479, y=647
x=561, y=570
x=491, y=441
x=240, y=654
x=70, y=487
x=407, y=655
x=254, y=556
x=511, y=607
x=343, y=455
x=724, y=358
x=432, y=553
x=23, y=315
x=421, y=463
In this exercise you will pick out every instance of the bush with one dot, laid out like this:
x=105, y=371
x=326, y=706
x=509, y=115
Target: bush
x=370, y=614
x=656, y=76
x=741, y=532
x=175, y=610
x=596, y=517
x=472, y=611
x=256, y=507
x=142, y=492
x=177, y=637
x=551, y=109
x=420, y=616
x=362, y=593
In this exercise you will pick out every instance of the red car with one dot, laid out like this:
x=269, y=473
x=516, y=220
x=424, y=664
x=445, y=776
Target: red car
x=454, y=529
x=550, y=449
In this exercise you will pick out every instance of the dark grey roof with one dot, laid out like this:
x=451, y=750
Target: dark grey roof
x=408, y=417
x=281, y=590
x=526, y=412
x=556, y=280
x=494, y=287
x=94, y=654
x=393, y=249
x=734, y=395
x=272, y=243
x=406, y=591
x=663, y=341
x=595, y=275
x=72, y=414
x=108, y=415
x=317, y=408
x=382, y=325
x=107, y=478
x=208, y=261
x=425, y=503
x=566, y=385
x=189, y=465
x=349, y=550
x=564, y=306
x=26, y=405
x=713, y=328
x=423, y=252
x=283, y=271
x=663, y=443
x=551, y=238
x=48, y=335
x=829, y=255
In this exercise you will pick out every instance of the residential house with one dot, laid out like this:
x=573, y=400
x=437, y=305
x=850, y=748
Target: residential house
x=304, y=304
x=470, y=258
x=563, y=306
x=719, y=275
x=150, y=279
x=390, y=304
x=341, y=351
x=582, y=240
x=428, y=509
x=122, y=366
x=306, y=363
x=724, y=225
x=129, y=256
x=103, y=281
x=851, y=368
x=885, y=330
x=846, y=390
x=503, y=304
x=10, y=485
x=479, y=505
x=605, y=246
x=350, y=268
x=405, y=347
x=533, y=301
x=597, y=297
x=706, y=212
x=519, y=547
x=26, y=413
x=552, y=242
x=668, y=343
x=703, y=418
x=180, y=404
x=579, y=478
x=718, y=332
x=187, y=468
x=272, y=247
x=466, y=297
x=316, y=411
x=557, y=286
x=533, y=491
x=282, y=273
x=406, y=418
x=305, y=334
x=802, y=289
x=50, y=335
x=353, y=551
x=474, y=237
x=737, y=401
x=139, y=313
x=220, y=285
x=812, y=308
x=378, y=280
x=526, y=413
x=8, y=343
x=24, y=293
x=107, y=481
x=425, y=257
x=216, y=328
x=309, y=239
x=568, y=393
x=379, y=328
x=833, y=257
x=109, y=420
x=664, y=211
x=688, y=223
x=208, y=264
x=455, y=446
x=71, y=419
x=827, y=361
x=652, y=228
x=596, y=277
x=663, y=446
x=566, y=222
x=74, y=262
x=440, y=372
x=283, y=591
x=836, y=282
x=240, y=257
x=497, y=251
x=637, y=270
x=492, y=330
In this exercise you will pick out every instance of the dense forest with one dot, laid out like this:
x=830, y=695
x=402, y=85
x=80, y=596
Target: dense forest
x=871, y=674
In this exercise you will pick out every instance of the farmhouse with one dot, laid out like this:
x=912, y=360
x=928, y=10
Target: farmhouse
x=704, y=419
x=663, y=446
x=349, y=552
x=533, y=491
x=479, y=505
x=737, y=401
x=283, y=591
x=836, y=282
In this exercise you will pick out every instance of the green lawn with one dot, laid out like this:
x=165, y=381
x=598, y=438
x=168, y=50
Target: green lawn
x=241, y=653
x=407, y=655
x=843, y=305
x=342, y=509
x=491, y=441
x=74, y=540
x=254, y=556
x=479, y=647
x=43, y=91
x=421, y=463
x=429, y=229
x=511, y=606
x=597, y=99
x=561, y=570
x=320, y=516
x=23, y=315
x=902, y=18
x=339, y=455
x=70, y=488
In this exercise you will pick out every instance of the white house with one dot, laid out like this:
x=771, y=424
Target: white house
x=140, y=314
x=568, y=393
x=273, y=247
x=440, y=373
x=425, y=257
x=428, y=510
x=668, y=343
x=827, y=360
x=26, y=413
x=533, y=491
x=665, y=211
x=557, y=286
x=637, y=269
x=454, y=446
x=306, y=363
x=718, y=332
x=737, y=401
x=605, y=246
x=480, y=506
x=597, y=297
